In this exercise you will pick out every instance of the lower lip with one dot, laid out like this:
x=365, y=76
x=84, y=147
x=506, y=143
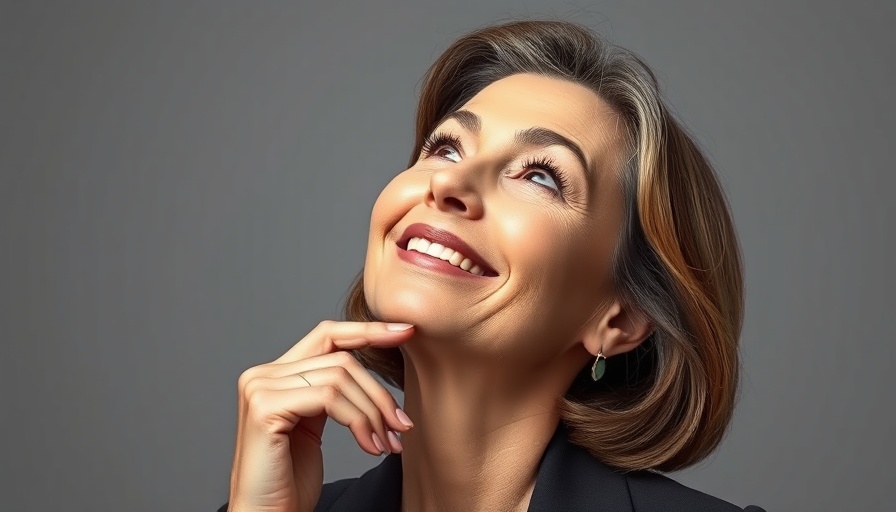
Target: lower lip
x=432, y=263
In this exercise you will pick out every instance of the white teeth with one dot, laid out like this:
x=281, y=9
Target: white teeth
x=435, y=250
x=444, y=253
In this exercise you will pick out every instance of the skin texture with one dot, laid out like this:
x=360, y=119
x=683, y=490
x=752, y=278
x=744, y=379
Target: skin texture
x=284, y=405
x=489, y=355
x=486, y=357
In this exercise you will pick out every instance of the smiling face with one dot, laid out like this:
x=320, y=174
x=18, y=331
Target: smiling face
x=525, y=178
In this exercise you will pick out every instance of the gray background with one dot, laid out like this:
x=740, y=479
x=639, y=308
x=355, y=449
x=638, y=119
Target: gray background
x=185, y=192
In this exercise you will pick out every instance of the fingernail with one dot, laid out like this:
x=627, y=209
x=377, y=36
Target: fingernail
x=394, y=441
x=403, y=417
x=378, y=443
x=398, y=327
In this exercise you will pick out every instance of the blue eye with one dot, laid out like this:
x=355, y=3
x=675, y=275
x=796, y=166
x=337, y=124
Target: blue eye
x=547, y=174
x=457, y=159
x=545, y=179
x=440, y=140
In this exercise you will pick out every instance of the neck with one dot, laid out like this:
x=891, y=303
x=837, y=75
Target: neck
x=480, y=431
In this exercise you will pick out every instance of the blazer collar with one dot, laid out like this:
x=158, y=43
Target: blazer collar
x=568, y=479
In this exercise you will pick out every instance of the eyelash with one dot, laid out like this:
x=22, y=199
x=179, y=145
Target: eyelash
x=546, y=164
x=437, y=140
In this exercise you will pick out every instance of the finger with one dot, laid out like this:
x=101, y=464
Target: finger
x=330, y=336
x=312, y=428
x=375, y=391
x=335, y=376
x=281, y=410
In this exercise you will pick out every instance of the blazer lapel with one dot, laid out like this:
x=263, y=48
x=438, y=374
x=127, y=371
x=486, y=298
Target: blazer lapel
x=377, y=489
x=570, y=479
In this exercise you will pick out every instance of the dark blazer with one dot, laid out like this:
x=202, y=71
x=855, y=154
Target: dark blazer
x=569, y=479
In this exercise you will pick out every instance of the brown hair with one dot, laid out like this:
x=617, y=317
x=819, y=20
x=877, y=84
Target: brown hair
x=666, y=404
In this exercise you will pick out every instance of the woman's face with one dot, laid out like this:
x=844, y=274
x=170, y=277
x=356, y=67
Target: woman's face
x=522, y=182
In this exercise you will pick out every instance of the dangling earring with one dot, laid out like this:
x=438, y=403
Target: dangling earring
x=600, y=364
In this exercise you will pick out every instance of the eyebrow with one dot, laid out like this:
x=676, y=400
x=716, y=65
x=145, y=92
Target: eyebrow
x=535, y=136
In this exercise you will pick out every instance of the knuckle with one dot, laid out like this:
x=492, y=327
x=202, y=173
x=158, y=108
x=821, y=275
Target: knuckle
x=383, y=397
x=246, y=377
x=258, y=408
x=329, y=393
x=251, y=389
x=344, y=358
x=339, y=374
x=375, y=419
x=325, y=325
x=363, y=423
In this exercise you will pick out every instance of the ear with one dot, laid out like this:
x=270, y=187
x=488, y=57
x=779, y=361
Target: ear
x=615, y=330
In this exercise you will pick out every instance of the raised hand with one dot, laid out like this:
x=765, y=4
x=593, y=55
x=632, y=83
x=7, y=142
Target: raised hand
x=284, y=405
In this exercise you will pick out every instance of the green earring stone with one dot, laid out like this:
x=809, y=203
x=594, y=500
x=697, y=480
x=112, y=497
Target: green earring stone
x=597, y=371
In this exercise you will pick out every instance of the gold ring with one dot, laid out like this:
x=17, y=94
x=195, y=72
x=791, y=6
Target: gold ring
x=303, y=378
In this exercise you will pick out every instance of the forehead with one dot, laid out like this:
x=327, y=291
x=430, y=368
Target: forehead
x=525, y=100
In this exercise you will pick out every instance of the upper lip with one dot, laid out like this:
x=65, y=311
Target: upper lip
x=448, y=239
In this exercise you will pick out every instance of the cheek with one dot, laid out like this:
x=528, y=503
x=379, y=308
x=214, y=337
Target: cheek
x=394, y=201
x=558, y=262
x=542, y=240
x=390, y=207
x=383, y=209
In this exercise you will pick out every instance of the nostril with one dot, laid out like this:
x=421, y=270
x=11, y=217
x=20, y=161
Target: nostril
x=455, y=203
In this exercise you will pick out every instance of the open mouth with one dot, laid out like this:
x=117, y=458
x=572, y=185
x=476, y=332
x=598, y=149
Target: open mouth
x=443, y=248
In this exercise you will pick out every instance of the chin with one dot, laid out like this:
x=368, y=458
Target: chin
x=426, y=312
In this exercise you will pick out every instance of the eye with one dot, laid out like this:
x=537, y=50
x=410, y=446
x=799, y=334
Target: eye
x=545, y=173
x=439, y=141
x=544, y=179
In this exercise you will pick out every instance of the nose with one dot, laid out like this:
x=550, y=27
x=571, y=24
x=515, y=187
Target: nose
x=456, y=190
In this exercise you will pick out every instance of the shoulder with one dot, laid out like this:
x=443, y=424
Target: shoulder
x=651, y=491
x=571, y=479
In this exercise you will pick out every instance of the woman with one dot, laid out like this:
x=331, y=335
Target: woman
x=554, y=282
